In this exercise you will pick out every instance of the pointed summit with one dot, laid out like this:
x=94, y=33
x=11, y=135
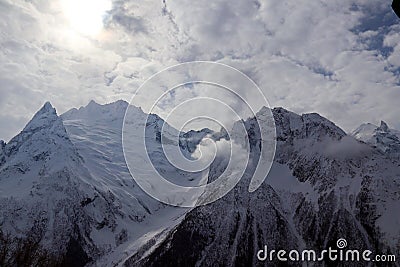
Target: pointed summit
x=382, y=137
x=47, y=107
x=92, y=103
x=44, y=125
x=45, y=117
x=264, y=110
x=383, y=127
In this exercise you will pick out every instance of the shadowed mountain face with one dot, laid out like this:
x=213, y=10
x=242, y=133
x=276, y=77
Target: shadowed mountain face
x=67, y=197
x=323, y=186
x=396, y=7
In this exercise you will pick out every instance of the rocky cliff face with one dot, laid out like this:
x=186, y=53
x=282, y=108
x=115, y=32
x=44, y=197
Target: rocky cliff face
x=324, y=185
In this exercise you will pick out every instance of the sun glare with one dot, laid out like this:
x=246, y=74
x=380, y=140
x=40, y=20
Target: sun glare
x=86, y=16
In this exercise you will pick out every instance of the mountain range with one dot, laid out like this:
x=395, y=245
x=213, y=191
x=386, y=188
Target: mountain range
x=67, y=197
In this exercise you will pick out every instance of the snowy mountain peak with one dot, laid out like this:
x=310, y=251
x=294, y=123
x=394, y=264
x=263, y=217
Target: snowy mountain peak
x=382, y=137
x=93, y=103
x=383, y=127
x=304, y=126
x=264, y=110
x=314, y=120
x=92, y=111
x=47, y=107
x=42, y=149
x=44, y=125
x=46, y=116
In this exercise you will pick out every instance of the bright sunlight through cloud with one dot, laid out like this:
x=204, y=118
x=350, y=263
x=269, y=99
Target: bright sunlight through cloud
x=86, y=16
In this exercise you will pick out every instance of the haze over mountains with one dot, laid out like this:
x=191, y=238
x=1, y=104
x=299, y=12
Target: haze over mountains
x=67, y=197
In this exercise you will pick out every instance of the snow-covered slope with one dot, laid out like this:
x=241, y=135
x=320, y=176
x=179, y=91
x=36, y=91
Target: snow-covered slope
x=45, y=189
x=382, y=137
x=96, y=132
x=68, y=190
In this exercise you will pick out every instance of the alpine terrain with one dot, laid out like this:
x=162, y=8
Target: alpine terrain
x=67, y=197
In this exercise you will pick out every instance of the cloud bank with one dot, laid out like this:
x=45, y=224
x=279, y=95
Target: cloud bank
x=338, y=58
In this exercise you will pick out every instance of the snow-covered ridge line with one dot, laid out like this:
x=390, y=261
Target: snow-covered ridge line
x=384, y=138
x=65, y=186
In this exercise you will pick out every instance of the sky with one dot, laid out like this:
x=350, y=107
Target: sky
x=340, y=58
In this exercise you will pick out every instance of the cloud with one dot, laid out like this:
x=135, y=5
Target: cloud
x=347, y=148
x=337, y=58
